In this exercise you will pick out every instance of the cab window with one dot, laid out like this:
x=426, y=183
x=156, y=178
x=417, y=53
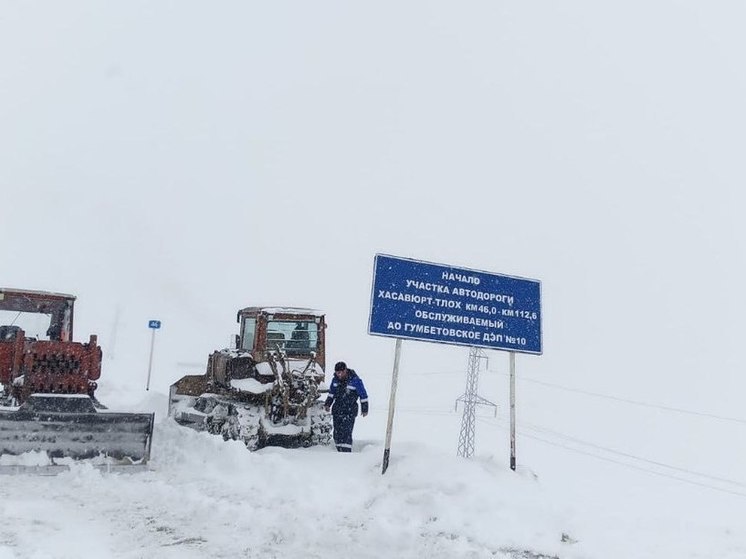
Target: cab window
x=297, y=337
x=249, y=331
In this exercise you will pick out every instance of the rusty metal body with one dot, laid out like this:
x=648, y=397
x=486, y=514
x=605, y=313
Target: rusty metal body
x=57, y=365
x=65, y=421
x=265, y=391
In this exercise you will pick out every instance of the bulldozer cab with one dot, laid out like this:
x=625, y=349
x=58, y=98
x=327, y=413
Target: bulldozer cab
x=296, y=332
x=37, y=353
x=40, y=315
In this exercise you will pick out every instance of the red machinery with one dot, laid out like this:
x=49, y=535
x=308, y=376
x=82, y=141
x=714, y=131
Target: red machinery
x=48, y=384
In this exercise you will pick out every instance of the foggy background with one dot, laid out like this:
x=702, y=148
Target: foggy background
x=181, y=160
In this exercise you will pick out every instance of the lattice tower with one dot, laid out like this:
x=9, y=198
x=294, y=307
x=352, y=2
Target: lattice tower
x=471, y=399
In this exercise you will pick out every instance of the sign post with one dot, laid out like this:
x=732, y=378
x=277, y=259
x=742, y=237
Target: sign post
x=512, y=410
x=392, y=406
x=153, y=325
x=412, y=299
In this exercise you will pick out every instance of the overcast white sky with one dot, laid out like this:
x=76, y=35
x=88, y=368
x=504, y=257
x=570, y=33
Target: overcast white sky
x=181, y=160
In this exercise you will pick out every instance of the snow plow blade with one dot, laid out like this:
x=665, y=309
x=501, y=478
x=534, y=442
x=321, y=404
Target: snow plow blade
x=70, y=426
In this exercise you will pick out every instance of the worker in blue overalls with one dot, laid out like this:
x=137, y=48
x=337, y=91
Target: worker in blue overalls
x=344, y=391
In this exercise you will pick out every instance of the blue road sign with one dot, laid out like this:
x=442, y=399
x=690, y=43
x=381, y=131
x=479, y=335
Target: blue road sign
x=154, y=324
x=440, y=303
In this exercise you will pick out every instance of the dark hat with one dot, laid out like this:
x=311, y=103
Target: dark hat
x=340, y=366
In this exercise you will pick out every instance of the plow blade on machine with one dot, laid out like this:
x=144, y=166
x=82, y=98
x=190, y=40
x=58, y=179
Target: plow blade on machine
x=70, y=426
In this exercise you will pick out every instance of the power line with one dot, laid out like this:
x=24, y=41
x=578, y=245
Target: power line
x=627, y=464
x=539, y=428
x=627, y=455
x=498, y=423
x=634, y=402
x=640, y=468
x=607, y=449
x=606, y=396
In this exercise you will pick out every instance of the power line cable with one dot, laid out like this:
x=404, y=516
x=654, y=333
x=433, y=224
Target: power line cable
x=499, y=423
x=640, y=468
x=551, y=432
x=627, y=464
x=628, y=455
x=634, y=402
x=606, y=396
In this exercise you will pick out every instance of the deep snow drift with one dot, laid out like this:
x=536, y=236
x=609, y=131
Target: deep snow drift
x=202, y=496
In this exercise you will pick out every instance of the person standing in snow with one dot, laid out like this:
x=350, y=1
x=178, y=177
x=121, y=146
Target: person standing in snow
x=344, y=391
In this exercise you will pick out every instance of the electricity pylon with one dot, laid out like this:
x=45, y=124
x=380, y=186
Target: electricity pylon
x=471, y=399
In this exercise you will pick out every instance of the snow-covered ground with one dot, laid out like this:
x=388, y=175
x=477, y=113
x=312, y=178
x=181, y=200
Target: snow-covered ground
x=202, y=496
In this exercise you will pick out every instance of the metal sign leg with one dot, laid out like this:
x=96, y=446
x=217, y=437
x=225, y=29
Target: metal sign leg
x=392, y=404
x=150, y=361
x=512, y=410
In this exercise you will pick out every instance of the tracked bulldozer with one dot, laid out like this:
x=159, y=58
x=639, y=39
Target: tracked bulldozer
x=48, y=382
x=265, y=391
